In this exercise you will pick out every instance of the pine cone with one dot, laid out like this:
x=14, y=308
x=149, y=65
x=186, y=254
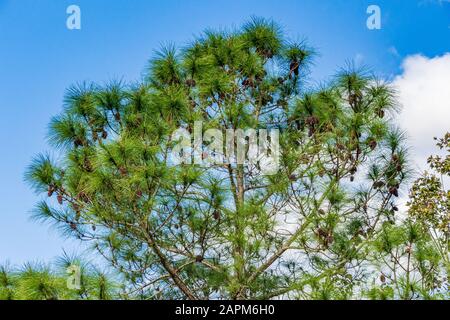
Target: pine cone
x=393, y=191
x=312, y=121
x=83, y=197
x=78, y=142
x=51, y=190
x=87, y=165
x=248, y=82
x=321, y=233
x=378, y=184
x=267, y=53
x=294, y=67
x=191, y=83
x=372, y=144
x=123, y=171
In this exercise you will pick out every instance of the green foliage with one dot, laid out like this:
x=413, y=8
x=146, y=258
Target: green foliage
x=320, y=228
x=35, y=281
x=430, y=200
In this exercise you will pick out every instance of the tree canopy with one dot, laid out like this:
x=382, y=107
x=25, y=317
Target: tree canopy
x=324, y=226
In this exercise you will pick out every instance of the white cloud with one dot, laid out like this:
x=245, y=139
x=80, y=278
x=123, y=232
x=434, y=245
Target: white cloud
x=424, y=92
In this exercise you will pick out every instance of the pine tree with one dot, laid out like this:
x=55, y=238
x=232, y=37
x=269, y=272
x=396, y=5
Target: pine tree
x=223, y=230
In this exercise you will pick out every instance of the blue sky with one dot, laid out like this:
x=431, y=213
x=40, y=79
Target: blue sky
x=40, y=57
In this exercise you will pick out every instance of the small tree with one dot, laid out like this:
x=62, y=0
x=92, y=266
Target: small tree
x=224, y=230
x=429, y=209
x=430, y=201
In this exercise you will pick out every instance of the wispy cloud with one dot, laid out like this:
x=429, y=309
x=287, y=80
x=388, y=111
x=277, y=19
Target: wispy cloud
x=393, y=50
